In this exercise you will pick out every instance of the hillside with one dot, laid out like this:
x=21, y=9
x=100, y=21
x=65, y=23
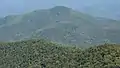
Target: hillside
x=60, y=24
x=104, y=56
x=46, y=54
x=35, y=54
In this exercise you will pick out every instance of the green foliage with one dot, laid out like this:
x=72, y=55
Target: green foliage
x=33, y=53
x=103, y=56
x=41, y=53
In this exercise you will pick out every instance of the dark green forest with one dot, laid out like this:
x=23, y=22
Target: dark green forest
x=46, y=54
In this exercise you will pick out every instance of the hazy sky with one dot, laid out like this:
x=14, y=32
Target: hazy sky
x=18, y=6
x=35, y=4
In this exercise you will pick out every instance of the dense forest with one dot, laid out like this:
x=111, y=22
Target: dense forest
x=40, y=53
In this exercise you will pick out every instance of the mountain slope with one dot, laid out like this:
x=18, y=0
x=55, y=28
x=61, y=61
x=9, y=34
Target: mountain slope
x=60, y=24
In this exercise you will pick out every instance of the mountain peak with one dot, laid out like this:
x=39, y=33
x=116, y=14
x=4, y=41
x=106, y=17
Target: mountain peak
x=60, y=12
x=60, y=7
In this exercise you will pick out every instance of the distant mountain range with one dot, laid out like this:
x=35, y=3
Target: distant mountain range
x=60, y=24
x=102, y=8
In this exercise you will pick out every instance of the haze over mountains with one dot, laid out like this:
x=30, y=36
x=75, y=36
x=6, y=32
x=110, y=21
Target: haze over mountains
x=100, y=8
x=77, y=34
x=104, y=8
x=60, y=24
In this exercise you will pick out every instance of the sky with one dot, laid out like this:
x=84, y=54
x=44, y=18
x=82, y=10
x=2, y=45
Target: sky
x=18, y=6
x=21, y=6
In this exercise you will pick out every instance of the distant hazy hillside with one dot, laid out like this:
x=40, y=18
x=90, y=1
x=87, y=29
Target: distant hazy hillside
x=44, y=54
x=59, y=24
x=103, y=8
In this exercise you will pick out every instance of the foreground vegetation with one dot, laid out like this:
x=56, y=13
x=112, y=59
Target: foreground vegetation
x=43, y=54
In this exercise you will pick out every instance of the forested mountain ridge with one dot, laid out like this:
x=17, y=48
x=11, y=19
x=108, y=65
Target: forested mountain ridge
x=60, y=24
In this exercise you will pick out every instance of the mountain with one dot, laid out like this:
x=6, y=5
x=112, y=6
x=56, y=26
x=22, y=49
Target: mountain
x=45, y=54
x=60, y=24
